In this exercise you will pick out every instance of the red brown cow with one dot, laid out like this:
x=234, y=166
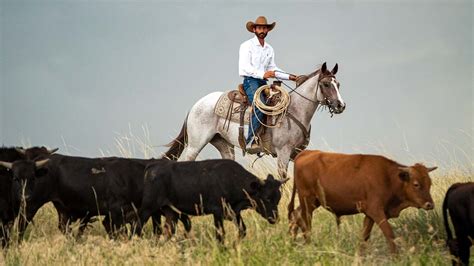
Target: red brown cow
x=350, y=184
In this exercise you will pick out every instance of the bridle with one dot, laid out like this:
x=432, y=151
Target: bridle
x=326, y=101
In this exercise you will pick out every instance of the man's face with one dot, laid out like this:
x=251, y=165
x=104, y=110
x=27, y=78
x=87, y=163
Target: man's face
x=260, y=31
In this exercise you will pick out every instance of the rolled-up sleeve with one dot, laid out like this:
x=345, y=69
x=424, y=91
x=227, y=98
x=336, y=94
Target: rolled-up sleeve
x=245, y=66
x=272, y=66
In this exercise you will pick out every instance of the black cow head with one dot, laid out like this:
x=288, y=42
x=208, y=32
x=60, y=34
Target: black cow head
x=267, y=197
x=25, y=173
x=35, y=153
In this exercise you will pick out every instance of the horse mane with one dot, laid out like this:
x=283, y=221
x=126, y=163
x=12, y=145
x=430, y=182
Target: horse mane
x=302, y=78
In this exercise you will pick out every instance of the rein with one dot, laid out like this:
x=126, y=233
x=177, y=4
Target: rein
x=327, y=102
x=294, y=90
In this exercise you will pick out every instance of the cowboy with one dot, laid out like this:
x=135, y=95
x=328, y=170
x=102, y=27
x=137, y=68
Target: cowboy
x=256, y=65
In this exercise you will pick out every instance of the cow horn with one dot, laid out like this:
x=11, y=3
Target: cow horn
x=53, y=150
x=6, y=164
x=20, y=150
x=41, y=163
x=432, y=168
x=283, y=181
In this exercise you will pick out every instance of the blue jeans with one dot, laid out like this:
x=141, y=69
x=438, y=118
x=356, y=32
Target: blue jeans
x=250, y=86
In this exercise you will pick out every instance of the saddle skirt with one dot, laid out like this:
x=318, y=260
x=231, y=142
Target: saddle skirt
x=229, y=104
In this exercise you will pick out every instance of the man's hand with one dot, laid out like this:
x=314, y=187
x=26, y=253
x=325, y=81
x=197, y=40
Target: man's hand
x=292, y=77
x=269, y=74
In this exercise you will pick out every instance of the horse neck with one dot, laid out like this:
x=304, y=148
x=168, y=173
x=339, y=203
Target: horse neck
x=304, y=109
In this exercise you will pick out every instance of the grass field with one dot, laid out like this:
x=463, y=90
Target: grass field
x=420, y=237
x=420, y=234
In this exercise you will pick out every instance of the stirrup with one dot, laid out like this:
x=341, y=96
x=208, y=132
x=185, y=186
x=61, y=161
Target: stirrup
x=254, y=148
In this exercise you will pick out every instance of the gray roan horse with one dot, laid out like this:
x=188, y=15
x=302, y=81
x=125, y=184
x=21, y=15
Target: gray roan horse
x=203, y=126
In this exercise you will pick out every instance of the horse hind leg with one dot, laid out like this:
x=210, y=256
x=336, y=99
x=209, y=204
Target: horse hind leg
x=198, y=137
x=225, y=148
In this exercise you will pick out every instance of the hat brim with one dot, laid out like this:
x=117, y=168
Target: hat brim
x=250, y=25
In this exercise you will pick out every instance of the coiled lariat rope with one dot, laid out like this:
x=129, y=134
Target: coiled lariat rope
x=279, y=108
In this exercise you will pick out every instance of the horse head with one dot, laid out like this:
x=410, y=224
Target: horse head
x=328, y=90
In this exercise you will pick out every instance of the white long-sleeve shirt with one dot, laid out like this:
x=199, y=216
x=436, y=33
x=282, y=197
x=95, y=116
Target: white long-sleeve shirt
x=255, y=60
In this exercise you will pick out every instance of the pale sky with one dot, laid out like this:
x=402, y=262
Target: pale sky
x=78, y=74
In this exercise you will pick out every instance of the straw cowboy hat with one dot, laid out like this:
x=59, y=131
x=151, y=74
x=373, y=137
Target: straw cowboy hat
x=260, y=21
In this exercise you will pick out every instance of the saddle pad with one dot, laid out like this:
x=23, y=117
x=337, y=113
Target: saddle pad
x=222, y=107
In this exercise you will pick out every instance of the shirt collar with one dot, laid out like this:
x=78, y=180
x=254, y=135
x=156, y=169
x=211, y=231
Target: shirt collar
x=257, y=43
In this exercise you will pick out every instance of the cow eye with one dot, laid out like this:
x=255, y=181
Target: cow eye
x=416, y=185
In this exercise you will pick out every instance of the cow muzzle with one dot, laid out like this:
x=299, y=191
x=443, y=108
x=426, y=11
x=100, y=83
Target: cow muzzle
x=428, y=205
x=273, y=219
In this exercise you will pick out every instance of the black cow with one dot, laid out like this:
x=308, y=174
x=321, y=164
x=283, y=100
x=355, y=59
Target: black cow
x=222, y=188
x=82, y=188
x=459, y=201
x=9, y=208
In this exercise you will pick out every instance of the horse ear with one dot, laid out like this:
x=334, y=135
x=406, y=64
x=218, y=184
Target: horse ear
x=324, y=68
x=334, y=70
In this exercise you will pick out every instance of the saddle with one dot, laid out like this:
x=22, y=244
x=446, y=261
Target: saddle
x=263, y=137
x=239, y=95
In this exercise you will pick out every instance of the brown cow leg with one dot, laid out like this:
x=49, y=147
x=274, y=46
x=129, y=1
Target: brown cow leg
x=308, y=205
x=382, y=222
x=295, y=222
x=367, y=228
x=368, y=224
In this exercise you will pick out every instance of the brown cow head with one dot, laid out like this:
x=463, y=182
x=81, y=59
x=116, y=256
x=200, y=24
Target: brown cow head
x=417, y=185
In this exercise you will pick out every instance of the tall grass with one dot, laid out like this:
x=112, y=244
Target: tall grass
x=420, y=235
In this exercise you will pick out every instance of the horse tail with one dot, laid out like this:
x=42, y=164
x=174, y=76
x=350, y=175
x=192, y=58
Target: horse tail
x=445, y=213
x=178, y=144
x=291, y=205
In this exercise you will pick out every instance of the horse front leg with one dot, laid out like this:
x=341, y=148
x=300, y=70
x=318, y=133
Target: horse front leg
x=283, y=161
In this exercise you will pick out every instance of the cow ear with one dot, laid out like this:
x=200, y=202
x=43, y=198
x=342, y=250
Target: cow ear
x=283, y=181
x=270, y=178
x=404, y=173
x=255, y=185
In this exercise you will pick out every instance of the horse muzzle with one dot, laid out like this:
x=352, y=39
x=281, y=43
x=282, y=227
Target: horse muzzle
x=337, y=107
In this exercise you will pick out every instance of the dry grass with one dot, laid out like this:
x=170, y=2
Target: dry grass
x=420, y=236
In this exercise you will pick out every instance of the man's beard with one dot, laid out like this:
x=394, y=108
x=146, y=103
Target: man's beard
x=261, y=35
